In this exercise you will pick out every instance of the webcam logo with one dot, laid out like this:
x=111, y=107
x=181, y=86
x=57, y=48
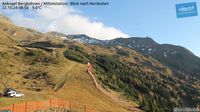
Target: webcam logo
x=186, y=10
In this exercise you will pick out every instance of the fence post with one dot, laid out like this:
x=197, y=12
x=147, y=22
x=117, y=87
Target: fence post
x=37, y=105
x=50, y=103
x=70, y=105
x=85, y=108
x=26, y=106
x=13, y=107
x=57, y=103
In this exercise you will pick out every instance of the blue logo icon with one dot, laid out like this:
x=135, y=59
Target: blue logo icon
x=186, y=10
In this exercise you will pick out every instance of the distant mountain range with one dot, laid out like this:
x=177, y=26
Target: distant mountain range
x=176, y=57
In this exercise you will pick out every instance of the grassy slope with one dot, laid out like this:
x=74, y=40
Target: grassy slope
x=78, y=87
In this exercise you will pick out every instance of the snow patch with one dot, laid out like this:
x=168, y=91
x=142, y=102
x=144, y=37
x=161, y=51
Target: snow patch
x=165, y=55
x=150, y=49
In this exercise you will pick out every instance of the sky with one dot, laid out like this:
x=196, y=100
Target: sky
x=121, y=18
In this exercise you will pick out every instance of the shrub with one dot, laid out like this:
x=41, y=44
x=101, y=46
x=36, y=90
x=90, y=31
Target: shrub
x=122, y=52
x=75, y=56
x=36, y=56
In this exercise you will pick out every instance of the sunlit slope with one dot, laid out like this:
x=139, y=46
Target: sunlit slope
x=78, y=88
x=69, y=79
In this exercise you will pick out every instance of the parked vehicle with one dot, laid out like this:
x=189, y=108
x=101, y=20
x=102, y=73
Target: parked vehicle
x=16, y=95
x=9, y=92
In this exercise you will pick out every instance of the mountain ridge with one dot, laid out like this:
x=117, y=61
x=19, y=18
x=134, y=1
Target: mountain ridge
x=168, y=54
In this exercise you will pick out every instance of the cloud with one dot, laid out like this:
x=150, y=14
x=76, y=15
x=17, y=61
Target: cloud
x=67, y=20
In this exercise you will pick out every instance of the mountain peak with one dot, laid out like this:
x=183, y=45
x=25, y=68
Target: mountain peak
x=144, y=40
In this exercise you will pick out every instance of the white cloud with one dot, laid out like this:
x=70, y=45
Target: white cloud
x=67, y=20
